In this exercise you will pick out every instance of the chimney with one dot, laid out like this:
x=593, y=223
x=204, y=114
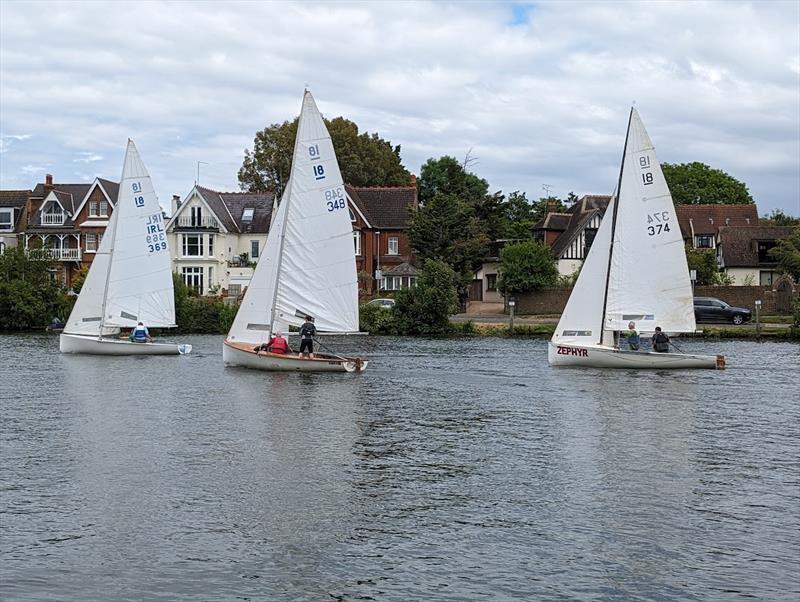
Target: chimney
x=48, y=183
x=413, y=180
x=551, y=207
x=176, y=203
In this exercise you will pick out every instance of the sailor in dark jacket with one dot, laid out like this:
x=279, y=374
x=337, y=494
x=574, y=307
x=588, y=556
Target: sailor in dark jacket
x=307, y=333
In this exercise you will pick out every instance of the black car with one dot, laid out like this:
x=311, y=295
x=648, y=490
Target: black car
x=709, y=309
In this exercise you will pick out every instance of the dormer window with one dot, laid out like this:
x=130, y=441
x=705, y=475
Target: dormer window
x=53, y=215
x=6, y=219
x=704, y=241
x=247, y=215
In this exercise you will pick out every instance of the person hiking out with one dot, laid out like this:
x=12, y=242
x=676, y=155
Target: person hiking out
x=307, y=333
x=660, y=341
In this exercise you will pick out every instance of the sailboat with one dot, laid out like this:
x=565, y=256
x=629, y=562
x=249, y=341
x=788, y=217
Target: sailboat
x=130, y=279
x=308, y=267
x=636, y=271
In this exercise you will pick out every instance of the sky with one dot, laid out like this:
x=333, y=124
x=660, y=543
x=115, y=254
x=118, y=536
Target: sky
x=536, y=94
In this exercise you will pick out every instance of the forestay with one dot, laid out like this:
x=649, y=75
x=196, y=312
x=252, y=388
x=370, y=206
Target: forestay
x=308, y=266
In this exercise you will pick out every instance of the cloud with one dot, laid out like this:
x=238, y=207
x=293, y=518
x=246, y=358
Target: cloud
x=539, y=91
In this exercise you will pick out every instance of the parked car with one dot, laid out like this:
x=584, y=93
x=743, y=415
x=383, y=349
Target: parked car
x=709, y=309
x=384, y=303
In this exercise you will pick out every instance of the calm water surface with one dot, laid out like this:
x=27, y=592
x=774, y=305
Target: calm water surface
x=450, y=470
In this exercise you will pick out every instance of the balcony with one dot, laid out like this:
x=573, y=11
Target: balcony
x=59, y=254
x=53, y=219
x=206, y=222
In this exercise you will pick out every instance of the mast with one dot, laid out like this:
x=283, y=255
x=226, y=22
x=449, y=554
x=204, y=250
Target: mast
x=614, y=226
x=286, y=198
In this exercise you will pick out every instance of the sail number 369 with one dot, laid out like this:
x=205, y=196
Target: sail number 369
x=334, y=199
x=658, y=223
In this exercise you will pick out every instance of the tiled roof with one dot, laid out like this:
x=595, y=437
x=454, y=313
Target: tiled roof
x=707, y=219
x=385, y=207
x=402, y=269
x=111, y=188
x=553, y=221
x=76, y=191
x=739, y=244
x=580, y=214
x=14, y=198
x=229, y=206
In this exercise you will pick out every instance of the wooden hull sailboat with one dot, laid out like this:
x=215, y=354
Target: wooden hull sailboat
x=130, y=279
x=92, y=345
x=635, y=272
x=308, y=267
x=243, y=354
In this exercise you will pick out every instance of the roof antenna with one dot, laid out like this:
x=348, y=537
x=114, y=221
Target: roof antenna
x=197, y=181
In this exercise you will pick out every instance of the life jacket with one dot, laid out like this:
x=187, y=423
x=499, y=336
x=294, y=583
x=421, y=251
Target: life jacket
x=278, y=345
x=660, y=342
x=139, y=334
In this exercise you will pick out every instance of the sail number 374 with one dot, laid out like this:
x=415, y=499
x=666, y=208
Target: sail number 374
x=657, y=223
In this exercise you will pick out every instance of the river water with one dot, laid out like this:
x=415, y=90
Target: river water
x=461, y=469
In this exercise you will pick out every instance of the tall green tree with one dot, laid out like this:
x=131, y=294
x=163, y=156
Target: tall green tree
x=426, y=307
x=698, y=184
x=447, y=176
x=29, y=296
x=364, y=159
x=704, y=262
x=787, y=253
x=526, y=267
x=519, y=216
x=446, y=228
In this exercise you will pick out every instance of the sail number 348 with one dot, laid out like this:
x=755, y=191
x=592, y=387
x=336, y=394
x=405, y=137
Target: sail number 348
x=657, y=223
x=334, y=199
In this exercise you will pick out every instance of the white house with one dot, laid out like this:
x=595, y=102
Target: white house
x=217, y=237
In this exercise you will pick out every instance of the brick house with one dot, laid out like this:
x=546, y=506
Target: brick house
x=700, y=224
x=68, y=221
x=743, y=252
x=381, y=218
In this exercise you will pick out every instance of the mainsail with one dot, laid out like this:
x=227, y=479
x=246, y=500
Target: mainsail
x=643, y=276
x=308, y=265
x=130, y=279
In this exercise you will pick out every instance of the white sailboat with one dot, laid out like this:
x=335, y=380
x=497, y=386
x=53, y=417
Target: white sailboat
x=308, y=267
x=636, y=271
x=130, y=279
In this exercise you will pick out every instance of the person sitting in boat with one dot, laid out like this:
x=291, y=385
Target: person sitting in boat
x=660, y=341
x=307, y=333
x=633, y=337
x=140, y=334
x=276, y=344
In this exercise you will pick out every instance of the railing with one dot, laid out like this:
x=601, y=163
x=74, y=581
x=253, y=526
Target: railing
x=59, y=254
x=187, y=221
x=53, y=219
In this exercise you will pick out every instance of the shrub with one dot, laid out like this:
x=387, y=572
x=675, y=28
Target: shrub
x=376, y=319
x=426, y=307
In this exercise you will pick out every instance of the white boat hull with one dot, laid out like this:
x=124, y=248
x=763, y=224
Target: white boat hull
x=560, y=354
x=75, y=343
x=242, y=354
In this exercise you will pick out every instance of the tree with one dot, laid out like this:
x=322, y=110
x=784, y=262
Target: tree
x=364, y=159
x=79, y=279
x=698, y=184
x=29, y=297
x=787, y=253
x=525, y=267
x=704, y=262
x=447, y=176
x=426, y=308
x=778, y=218
x=446, y=228
x=519, y=216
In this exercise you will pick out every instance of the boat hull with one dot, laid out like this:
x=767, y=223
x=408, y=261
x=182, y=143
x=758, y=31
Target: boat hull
x=560, y=354
x=242, y=354
x=75, y=343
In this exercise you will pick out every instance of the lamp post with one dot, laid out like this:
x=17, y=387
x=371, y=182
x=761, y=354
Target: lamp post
x=693, y=278
x=378, y=273
x=758, y=322
x=511, y=304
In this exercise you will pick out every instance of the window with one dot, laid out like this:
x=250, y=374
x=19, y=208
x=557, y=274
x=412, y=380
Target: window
x=94, y=208
x=193, y=277
x=393, y=246
x=6, y=219
x=357, y=241
x=491, y=282
x=196, y=215
x=234, y=290
x=210, y=276
x=704, y=241
x=247, y=215
x=392, y=283
x=91, y=242
x=352, y=215
x=764, y=247
x=103, y=209
x=210, y=246
x=766, y=278
x=192, y=245
x=254, y=249
x=588, y=239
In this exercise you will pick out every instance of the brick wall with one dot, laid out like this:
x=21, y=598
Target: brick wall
x=553, y=300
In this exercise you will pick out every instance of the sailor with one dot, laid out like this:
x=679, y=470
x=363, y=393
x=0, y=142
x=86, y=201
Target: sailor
x=277, y=344
x=660, y=341
x=140, y=334
x=633, y=337
x=307, y=332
